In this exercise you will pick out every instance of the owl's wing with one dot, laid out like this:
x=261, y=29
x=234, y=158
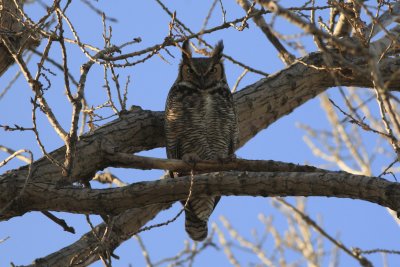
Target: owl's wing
x=234, y=142
x=173, y=149
x=173, y=122
x=171, y=138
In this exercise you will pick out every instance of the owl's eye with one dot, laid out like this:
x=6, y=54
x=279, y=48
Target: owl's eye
x=213, y=70
x=190, y=70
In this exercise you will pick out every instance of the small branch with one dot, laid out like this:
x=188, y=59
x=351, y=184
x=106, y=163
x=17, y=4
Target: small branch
x=72, y=137
x=147, y=228
x=36, y=88
x=64, y=57
x=4, y=239
x=124, y=160
x=13, y=152
x=76, y=36
x=392, y=14
x=234, y=61
x=227, y=247
x=145, y=252
x=14, y=79
x=386, y=170
x=243, y=24
x=380, y=47
x=283, y=54
x=261, y=255
x=60, y=222
x=150, y=227
x=378, y=250
x=239, y=79
x=348, y=12
x=54, y=63
x=81, y=252
x=108, y=178
x=363, y=261
x=170, y=42
x=310, y=28
x=362, y=124
x=16, y=154
x=385, y=106
x=206, y=20
x=38, y=140
x=98, y=11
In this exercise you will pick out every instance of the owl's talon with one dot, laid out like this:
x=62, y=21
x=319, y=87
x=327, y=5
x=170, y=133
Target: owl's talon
x=225, y=159
x=191, y=159
x=232, y=157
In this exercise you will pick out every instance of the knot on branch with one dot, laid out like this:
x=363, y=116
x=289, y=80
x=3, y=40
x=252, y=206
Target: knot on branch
x=107, y=146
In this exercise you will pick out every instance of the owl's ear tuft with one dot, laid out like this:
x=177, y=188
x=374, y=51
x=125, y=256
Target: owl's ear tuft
x=217, y=52
x=186, y=52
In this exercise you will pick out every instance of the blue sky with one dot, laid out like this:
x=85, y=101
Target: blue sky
x=359, y=224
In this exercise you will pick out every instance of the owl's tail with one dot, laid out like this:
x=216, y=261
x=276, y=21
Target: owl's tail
x=197, y=213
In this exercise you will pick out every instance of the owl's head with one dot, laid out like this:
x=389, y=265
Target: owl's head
x=202, y=72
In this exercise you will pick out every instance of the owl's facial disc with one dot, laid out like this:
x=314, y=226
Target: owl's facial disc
x=203, y=73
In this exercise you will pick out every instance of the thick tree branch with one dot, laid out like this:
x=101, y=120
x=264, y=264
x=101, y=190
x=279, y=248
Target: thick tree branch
x=262, y=103
x=116, y=200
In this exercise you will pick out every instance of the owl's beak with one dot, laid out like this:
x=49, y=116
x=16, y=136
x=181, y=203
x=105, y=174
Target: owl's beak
x=202, y=82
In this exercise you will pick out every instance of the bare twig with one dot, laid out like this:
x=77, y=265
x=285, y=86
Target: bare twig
x=246, y=243
x=283, y=54
x=145, y=252
x=36, y=88
x=14, y=79
x=16, y=153
x=362, y=124
x=310, y=28
x=60, y=222
x=378, y=250
x=205, y=22
x=108, y=178
x=4, y=239
x=98, y=11
x=363, y=261
x=238, y=80
x=227, y=248
x=208, y=45
x=147, y=228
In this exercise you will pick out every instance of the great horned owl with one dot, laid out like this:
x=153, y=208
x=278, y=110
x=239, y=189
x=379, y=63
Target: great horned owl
x=200, y=122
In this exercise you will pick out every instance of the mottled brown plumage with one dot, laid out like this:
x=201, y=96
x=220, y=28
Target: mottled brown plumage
x=200, y=122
